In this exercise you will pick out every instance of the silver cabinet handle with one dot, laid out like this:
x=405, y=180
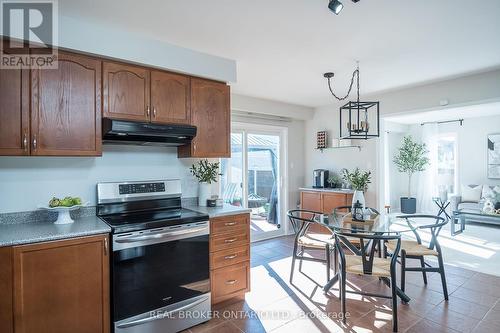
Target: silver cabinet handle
x=34, y=142
x=230, y=282
x=25, y=142
x=231, y=240
x=230, y=257
x=148, y=112
x=154, y=112
x=106, y=246
x=230, y=224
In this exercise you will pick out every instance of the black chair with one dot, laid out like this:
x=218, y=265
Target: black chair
x=414, y=249
x=364, y=262
x=305, y=239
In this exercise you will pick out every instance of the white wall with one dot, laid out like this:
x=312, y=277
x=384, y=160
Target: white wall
x=26, y=182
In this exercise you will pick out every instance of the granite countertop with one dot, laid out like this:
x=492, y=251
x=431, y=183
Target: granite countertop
x=219, y=211
x=30, y=227
x=333, y=190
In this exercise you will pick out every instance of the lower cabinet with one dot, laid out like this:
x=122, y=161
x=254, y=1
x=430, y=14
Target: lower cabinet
x=58, y=287
x=229, y=257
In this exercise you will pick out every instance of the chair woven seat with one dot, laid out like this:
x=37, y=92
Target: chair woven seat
x=381, y=266
x=412, y=248
x=316, y=240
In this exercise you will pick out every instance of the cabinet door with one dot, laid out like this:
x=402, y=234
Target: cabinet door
x=313, y=201
x=66, y=108
x=210, y=113
x=170, y=98
x=62, y=286
x=332, y=201
x=310, y=201
x=14, y=112
x=126, y=92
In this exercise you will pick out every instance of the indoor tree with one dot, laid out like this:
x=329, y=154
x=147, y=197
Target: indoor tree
x=411, y=158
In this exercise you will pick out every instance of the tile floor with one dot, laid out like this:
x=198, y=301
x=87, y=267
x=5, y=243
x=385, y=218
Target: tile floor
x=275, y=305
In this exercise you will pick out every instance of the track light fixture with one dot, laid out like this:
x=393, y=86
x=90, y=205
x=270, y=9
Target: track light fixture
x=336, y=6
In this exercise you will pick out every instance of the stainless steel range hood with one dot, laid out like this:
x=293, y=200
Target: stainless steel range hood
x=136, y=133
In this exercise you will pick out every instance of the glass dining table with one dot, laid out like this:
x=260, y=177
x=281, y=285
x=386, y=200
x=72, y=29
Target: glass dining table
x=382, y=224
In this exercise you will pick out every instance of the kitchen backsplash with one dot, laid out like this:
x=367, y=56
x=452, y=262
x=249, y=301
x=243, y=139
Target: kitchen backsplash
x=26, y=182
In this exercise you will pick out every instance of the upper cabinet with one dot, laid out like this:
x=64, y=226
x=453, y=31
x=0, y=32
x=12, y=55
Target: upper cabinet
x=211, y=114
x=66, y=107
x=126, y=92
x=139, y=94
x=14, y=112
x=170, y=98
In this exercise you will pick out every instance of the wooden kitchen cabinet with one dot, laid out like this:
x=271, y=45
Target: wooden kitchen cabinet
x=211, y=114
x=170, y=98
x=66, y=107
x=323, y=202
x=229, y=257
x=14, y=112
x=126, y=92
x=56, y=287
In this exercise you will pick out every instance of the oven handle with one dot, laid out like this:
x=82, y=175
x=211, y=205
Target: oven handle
x=159, y=235
x=163, y=316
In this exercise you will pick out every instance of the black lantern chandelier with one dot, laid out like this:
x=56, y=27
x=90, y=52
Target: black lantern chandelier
x=358, y=120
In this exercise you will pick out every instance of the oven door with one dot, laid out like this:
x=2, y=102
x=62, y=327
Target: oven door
x=159, y=269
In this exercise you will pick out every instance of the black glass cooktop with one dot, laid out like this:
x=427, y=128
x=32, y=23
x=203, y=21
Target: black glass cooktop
x=152, y=219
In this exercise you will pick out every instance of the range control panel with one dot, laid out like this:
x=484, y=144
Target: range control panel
x=141, y=188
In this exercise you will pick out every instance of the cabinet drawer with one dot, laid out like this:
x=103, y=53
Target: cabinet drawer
x=229, y=240
x=227, y=281
x=229, y=223
x=229, y=257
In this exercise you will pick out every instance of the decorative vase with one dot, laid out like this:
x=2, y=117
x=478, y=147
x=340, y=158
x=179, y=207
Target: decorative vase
x=358, y=196
x=204, y=193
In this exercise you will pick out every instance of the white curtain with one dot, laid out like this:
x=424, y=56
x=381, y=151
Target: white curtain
x=426, y=186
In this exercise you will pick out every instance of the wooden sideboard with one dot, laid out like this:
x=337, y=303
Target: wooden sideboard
x=323, y=201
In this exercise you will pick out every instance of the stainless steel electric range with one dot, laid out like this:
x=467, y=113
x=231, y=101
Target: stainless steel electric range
x=160, y=257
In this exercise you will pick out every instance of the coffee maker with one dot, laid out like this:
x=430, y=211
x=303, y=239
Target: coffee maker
x=320, y=178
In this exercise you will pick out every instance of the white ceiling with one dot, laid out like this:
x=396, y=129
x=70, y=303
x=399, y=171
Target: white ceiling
x=463, y=112
x=282, y=47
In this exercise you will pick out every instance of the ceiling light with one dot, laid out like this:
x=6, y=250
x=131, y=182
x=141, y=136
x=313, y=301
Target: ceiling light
x=335, y=6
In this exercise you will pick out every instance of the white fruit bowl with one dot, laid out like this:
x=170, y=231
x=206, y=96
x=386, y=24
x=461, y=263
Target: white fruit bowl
x=63, y=213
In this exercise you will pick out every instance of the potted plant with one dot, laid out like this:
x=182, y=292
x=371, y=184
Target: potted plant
x=359, y=182
x=206, y=172
x=335, y=180
x=410, y=158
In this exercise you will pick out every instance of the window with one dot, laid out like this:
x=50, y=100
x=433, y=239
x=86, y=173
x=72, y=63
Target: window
x=447, y=163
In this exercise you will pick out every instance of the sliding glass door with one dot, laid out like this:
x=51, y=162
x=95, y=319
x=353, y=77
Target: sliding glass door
x=252, y=178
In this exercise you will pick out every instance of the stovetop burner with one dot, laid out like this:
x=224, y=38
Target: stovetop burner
x=133, y=206
x=152, y=219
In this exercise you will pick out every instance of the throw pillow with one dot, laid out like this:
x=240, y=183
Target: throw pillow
x=490, y=192
x=472, y=194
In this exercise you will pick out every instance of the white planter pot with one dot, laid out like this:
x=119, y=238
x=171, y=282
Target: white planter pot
x=358, y=196
x=204, y=193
